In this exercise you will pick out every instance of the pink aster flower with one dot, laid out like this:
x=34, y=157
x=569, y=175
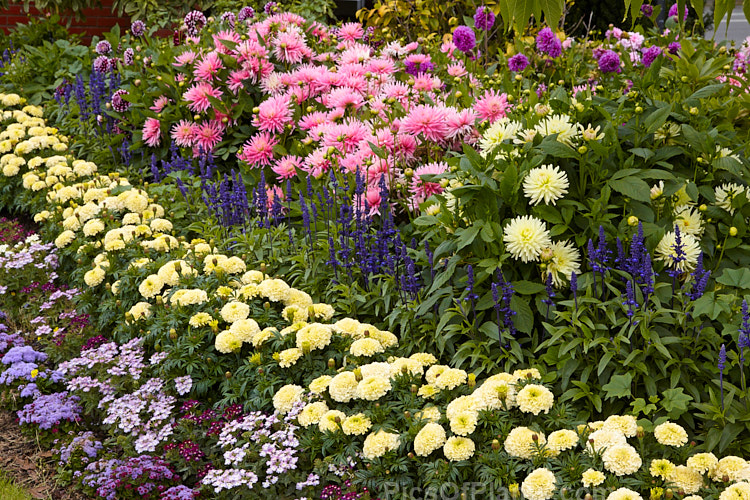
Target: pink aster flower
x=287, y=166
x=381, y=67
x=422, y=189
x=236, y=80
x=183, y=133
x=351, y=32
x=457, y=69
x=316, y=163
x=492, y=106
x=426, y=83
x=185, y=59
x=273, y=114
x=356, y=53
x=152, y=132
x=225, y=36
x=290, y=47
x=198, y=95
x=425, y=120
x=208, y=135
x=258, y=151
x=313, y=119
x=343, y=98
x=208, y=67
x=369, y=203
x=460, y=123
x=160, y=103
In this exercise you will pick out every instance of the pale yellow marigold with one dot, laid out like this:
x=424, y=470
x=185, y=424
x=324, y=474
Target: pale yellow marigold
x=93, y=227
x=379, y=443
x=539, y=485
x=427, y=391
x=737, y=491
x=458, y=448
x=377, y=369
x=527, y=373
x=622, y=423
x=428, y=414
x=601, y=439
x=424, y=358
x=199, y=319
x=365, y=347
x=320, y=384
x=562, y=440
x=686, y=479
x=729, y=466
x=94, y=277
x=403, y=366
x=464, y=424
x=141, y=310
x=160, y=225
x=356, y=425
x=670, y=434
x=286, y=397
x=252, y=277
x=227, y=342
x=534, y=398
x=592, y=477
x=314, y=336
x=262, y=336
x=386, y=338
x=64, y=239
x=312, y=413
x=294, y=313
x=347, y=326
x=624, y=494
x=343, y=387
x=297, y=298
x=275, y=290
x=234, y=311
x=703, y=462
x=289, y=357
x=661, y=467
x=372, y=388
x=521, y=442
x=233, y=265
x=462, y=404
x=429, y=439
x=323, y=312
x=245, y=329
x=621, y=459
x=450, y=378
x=151, y=286
x=331, y=421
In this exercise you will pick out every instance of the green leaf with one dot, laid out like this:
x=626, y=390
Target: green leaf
x=706, y=91
x=633, y=187
x=676, y=401
x=552, y=11
x=549, y=214
x=657, y=119
x=557, y=149
x=466, y=236
x=618, y=386
x=527, y=287
x=508, y=184
x=739, y=278
x=746, y=9
x=524, y=318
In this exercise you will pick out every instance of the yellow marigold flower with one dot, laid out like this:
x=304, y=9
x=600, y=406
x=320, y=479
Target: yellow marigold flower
x=294, y=313
x=450, y=379
x=260, y=338
x=331, y=421
x=702, y=462
x=522, y=442
x=64, y=239
x=661, y=468
x=464, y=424
x=624, y=494
x=622, y=423
x=312, y=413
x=592, y=477
x=534, y=398
x=274, y=289
x=227, y=342
x=245, y=329
x=424, y=358
x=286, y=397
x=428, y=391
x=254, y=277
x=686, y=479
x=151, y=286
x=462, y=404
x=598, y=440
x=199, y=319
x=528, y=373
x=343, y=387
x=320, y=384
x=387, y=339
x=234, y=311
x=562, y=440
x=379, y=443
x=347, y=326
x=401, y=365
x=670, y=434
x=365, y=347
x=233, y=265
x=429, y=414
x=356, y=425
x=289, y=357
x=458, y=448
x=140, y=310
x=373, y=388
x=729, y=466
x=737, y=491
x=539, y=485
x=323, y=312
x=621, y=459
x=429, y=439
x=315, y=335
x=94, y=277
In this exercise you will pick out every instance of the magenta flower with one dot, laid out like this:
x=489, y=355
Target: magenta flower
x=548, y=43
x=518, y=62
x=609, y=62
x=152, y=132
x=484, y=18
x=464, y=38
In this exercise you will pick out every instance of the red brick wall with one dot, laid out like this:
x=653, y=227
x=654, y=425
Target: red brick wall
x=97, y=20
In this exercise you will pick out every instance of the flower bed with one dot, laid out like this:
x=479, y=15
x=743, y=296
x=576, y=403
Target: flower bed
x=234, y=361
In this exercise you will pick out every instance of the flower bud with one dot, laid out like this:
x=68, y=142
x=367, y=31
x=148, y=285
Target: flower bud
x=331, y=363
x=228, y=375
x=495, y=444
x=632, y=221
x=414, y=389
x=357, y=374
x=694, y=111
x=407, y=415
x=668, y=493
x=410, y=455
x=732, y=231
x=513, y=490
x=639, y=432
x=173, y=334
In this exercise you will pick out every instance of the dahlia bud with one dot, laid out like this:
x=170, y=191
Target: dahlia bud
x=495, y=444
x=357, y=374
x=639, y=432
x=414, y=389
x=331, y=363
x=472, y=380
x=228, y=375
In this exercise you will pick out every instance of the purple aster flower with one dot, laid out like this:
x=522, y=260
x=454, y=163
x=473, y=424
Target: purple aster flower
x=229, y=18
x=245, y=13
x=128, y=57
x=673, y=12
x=138, y=28
x=674, y=47
x=270, y=8
x=609, y=62
x=548, y=43
x=518, y=62
x=647, y=10
x=102, y=64
x=650, y=54
x=103, y=48
x=464, y=38
x=194, y=22
x=484, y=18
x=118, y=103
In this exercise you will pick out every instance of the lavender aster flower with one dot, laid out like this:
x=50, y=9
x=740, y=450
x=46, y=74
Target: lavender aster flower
x=673, y=12
x=270, y=8
x=674, y=47
x=245, y=13
x=194, y=22
x=548, y=43
x=609, y=62
x=650, y=54
x=647, y=10
x=464, y=38
x=484, y=18
x=103, y=48
x=138, y=28
x=518, y=63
